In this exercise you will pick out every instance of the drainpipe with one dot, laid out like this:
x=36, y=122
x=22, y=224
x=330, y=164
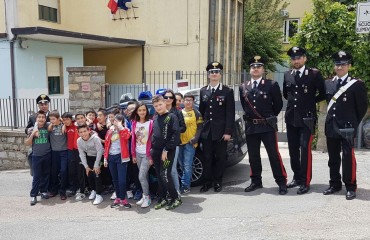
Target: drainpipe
x=12, y=72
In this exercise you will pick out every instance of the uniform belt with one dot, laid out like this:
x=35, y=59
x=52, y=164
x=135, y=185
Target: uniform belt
x=257, y=121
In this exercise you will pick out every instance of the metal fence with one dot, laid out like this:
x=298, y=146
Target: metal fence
x=14, y=112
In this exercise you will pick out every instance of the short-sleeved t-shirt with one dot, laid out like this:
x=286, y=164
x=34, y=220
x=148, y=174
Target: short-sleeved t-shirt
x=41, y=144
x=58, y=140
x=142, y=133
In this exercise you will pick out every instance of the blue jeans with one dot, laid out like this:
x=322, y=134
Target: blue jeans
x=59, y=166
x=41, y=174
x=174, y=172
x=118, y=170
x=186, y=155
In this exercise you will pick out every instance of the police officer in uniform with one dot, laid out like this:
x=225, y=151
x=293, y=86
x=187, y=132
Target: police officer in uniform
x=262, y=102
x=42, y=101
x=303, y=88
x=347, y=105
x=217, y=107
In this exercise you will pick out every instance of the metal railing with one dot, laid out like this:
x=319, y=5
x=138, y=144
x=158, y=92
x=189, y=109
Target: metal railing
x=14, y=112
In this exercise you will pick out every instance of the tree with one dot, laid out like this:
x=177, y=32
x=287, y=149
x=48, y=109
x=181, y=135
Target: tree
x=330, y=28
x=262, y=31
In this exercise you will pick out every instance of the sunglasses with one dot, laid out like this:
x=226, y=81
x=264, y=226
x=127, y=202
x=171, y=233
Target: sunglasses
x=214, y=71
x=168, y=97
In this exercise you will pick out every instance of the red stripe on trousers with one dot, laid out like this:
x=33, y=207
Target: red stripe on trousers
x=353, y=175
x=309, y=161
x=280, y=160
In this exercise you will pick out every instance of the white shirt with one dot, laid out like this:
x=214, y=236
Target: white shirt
x=343, y=78
x=258, y=81
x=301, y=70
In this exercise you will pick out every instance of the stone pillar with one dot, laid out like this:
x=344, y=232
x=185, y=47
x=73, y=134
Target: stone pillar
x=86, y=88
x=321, y=139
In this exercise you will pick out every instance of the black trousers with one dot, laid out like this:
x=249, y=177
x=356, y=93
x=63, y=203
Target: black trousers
x=215, y=155
x=76, y=172
x=348, y=160
x=299, y=144
x=165, y=181
x=95, y=181
x=269, y=140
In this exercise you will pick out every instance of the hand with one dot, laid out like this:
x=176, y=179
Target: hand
x=97, y=170
x=164, y=156
x=100, y=127
x=36, y=133
x=150, y=162
x=227, y=137
x=134, y=160
x=64, y=129
x=118, y=124
x=105, y=163
x=88, y=170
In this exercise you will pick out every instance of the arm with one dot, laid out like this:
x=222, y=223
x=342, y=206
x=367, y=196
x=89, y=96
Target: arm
x=82, y=153
x=241, y=94
x=230, y=113
x=31, y=122
x=276, y=98
x=29, y=140
x=320, y=85
x=174, y=133
x=285, y=91
x=199, y=122
x=99, y=152
x=182, y=124
x=361, y=100
x=201, y=104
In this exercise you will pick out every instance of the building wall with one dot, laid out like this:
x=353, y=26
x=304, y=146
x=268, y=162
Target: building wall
x=297, y=8
x=30, y=66
x=2, y=17
x=6, y=81
x=124, y=65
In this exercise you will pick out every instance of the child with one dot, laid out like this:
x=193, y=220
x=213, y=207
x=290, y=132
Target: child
x=116, y=156
x=113, y=112
x=189, y=141
x=91, y=120
x=41, y=157
x=165, y=138
x=80, y=121
x=59, y=156
x=140, y=148
x=91, y=151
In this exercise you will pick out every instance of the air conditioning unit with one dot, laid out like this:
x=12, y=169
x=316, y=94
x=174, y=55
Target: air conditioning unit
x=284, y=13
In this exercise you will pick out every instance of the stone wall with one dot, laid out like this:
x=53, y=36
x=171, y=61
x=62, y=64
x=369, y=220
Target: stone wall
x=86, y=88
x=13, y=151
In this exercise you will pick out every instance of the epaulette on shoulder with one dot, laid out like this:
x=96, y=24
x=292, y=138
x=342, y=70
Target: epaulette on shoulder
x=314, y=69
x=204, y=87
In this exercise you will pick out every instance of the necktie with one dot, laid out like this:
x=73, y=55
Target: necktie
x=339, y=84
x=254, y=84
x=213, y=90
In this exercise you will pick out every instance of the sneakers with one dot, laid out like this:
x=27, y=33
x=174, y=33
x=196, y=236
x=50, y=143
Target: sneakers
x=92, y=195
x=138, y=194
x=114, y=196
x=33, y=201
x=174, y=204
x=98, y=199
x=185, y=190
x=161, y=203
x=129, y=194
x=80, y=196
x=116, y=203
x=146, y=201
x=44, y=195
x=71, y=194
x=125, y=203
x=140, y=201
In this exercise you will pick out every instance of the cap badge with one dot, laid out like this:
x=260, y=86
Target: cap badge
x=215, y=64
x=295, y=49
x=341, y=54
x=257, y=58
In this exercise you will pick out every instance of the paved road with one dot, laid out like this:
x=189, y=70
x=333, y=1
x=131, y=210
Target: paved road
x=231, y=214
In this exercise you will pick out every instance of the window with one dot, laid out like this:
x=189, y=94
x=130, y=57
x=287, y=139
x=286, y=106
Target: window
x=54, y=75
x=49, y=10
x=290, y=29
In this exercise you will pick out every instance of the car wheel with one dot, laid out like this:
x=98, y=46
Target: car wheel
x=198, y=169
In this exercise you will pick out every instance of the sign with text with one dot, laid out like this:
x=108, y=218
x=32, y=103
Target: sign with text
x=85, y=87
x=363, y=18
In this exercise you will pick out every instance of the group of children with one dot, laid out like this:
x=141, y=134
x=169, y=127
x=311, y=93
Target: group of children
x=90, y=151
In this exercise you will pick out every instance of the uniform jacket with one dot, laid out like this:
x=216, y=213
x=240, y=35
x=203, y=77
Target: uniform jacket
x=302, y=95
x=348, y=110
x=218, y=111
x=32, y=120
x=124, y=135
x=266, y=101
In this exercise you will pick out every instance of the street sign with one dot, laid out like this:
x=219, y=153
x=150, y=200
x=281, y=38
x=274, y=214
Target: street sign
x=363, y=18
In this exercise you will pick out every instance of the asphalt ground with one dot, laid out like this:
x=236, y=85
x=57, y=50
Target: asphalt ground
x=230, y=214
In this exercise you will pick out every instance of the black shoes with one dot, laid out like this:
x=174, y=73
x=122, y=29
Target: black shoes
x=205, y=187
x=303, y=189
x=283, y=190
x=332, y=190
x=253, y=187
x=218, y=187
x=292, y=184
x=350, y=195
